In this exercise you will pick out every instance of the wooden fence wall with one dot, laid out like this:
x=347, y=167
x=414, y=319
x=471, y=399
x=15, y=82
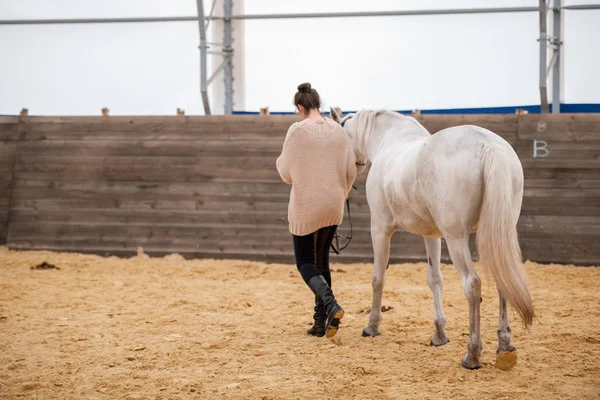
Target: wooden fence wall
x=208, y=187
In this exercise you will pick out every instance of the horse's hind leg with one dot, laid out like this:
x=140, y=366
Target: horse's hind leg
x=504, y=332
x=381, y=250
x=436, y=283
x=506, y=355
x=461, y=257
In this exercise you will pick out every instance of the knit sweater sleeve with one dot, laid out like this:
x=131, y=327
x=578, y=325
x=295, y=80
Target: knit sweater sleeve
x=351, y=170
x=284, y=161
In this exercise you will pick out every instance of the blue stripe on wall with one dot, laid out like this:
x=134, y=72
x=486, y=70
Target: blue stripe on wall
x=564, y=108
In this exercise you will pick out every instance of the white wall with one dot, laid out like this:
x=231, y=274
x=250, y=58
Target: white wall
x=397, y=62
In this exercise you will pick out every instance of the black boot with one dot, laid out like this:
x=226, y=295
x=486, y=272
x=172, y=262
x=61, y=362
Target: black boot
x=318, y=328
x=334, y=311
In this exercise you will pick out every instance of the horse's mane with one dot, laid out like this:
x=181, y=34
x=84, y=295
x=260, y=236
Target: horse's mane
x=364, y=122
x=370, y=114
x=386, y=111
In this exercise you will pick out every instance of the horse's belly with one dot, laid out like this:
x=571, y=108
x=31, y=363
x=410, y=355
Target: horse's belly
x=417, y=225
x=407, y=205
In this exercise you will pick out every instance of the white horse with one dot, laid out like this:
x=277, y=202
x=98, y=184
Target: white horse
x=458, y=181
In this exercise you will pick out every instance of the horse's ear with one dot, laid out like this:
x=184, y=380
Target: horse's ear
x=335, y=114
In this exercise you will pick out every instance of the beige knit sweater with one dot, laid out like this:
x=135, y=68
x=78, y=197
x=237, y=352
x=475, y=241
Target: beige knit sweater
x=318, y=161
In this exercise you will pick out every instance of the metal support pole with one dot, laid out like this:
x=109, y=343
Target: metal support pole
x=284, y=16
x=217, y=70
x=396, y=13
x=556, y=72
x=228, y=54
x=203, y=63
x=210, y=15
x=544, y=108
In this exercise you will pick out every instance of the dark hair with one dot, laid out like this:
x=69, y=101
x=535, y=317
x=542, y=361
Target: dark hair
x=307, y=97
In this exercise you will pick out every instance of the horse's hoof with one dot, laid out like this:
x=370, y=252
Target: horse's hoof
x=470, y=364
x=508, y=348
x=370, y=332
x=437, y=342
x=506, y=359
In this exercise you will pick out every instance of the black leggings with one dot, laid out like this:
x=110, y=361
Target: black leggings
x=312, y=253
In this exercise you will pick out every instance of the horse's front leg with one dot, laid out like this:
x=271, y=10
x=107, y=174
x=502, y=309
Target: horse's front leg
x=381, y=237
x=436, y=283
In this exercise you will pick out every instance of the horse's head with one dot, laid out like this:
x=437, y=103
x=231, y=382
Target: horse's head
x=349, y=126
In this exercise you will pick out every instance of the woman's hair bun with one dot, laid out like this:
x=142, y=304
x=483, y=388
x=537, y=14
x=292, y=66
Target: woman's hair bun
x=304, y=88
x=307, y=97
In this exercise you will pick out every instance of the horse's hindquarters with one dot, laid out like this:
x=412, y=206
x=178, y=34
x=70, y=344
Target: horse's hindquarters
x=450, y=176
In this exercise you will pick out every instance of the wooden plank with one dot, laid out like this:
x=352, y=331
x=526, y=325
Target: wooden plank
x=118, y=191
x=588, y=206
x=557, y=150
x=548, y=204
x=6, y=170
x=143, y=174
x=62, y=188
x=7, y=152
x=562, y=192
x=560, y=173
x=585, y=206
x=264, y=135
x=560, y=127
x=210, y=235
x=563, y=183
x=204, y=204
x=9, y=132
x=527, y=223
x=556, y=251
x=128, y=216
x=243, y=161
x=5, y=193
x=209, y=128
x=172, y=148
x=137, y=120
x=159, y=127
x=573, y=163
x=154, y=192
x=558, y=224
x=165, y=217
x=8, y=120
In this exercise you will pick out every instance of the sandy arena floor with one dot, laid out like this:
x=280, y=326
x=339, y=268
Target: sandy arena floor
x=166, y=328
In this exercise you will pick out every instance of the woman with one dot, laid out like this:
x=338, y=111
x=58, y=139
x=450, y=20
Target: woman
x=318, y=161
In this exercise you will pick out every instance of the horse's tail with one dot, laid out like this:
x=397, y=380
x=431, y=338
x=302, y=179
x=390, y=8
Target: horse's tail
x=497, y=239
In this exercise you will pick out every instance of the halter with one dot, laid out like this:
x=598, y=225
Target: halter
x=358, y=163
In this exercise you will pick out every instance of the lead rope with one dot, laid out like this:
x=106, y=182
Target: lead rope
x=336, y=247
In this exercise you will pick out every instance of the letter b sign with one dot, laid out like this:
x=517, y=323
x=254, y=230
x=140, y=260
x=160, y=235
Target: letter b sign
x=540, y=149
